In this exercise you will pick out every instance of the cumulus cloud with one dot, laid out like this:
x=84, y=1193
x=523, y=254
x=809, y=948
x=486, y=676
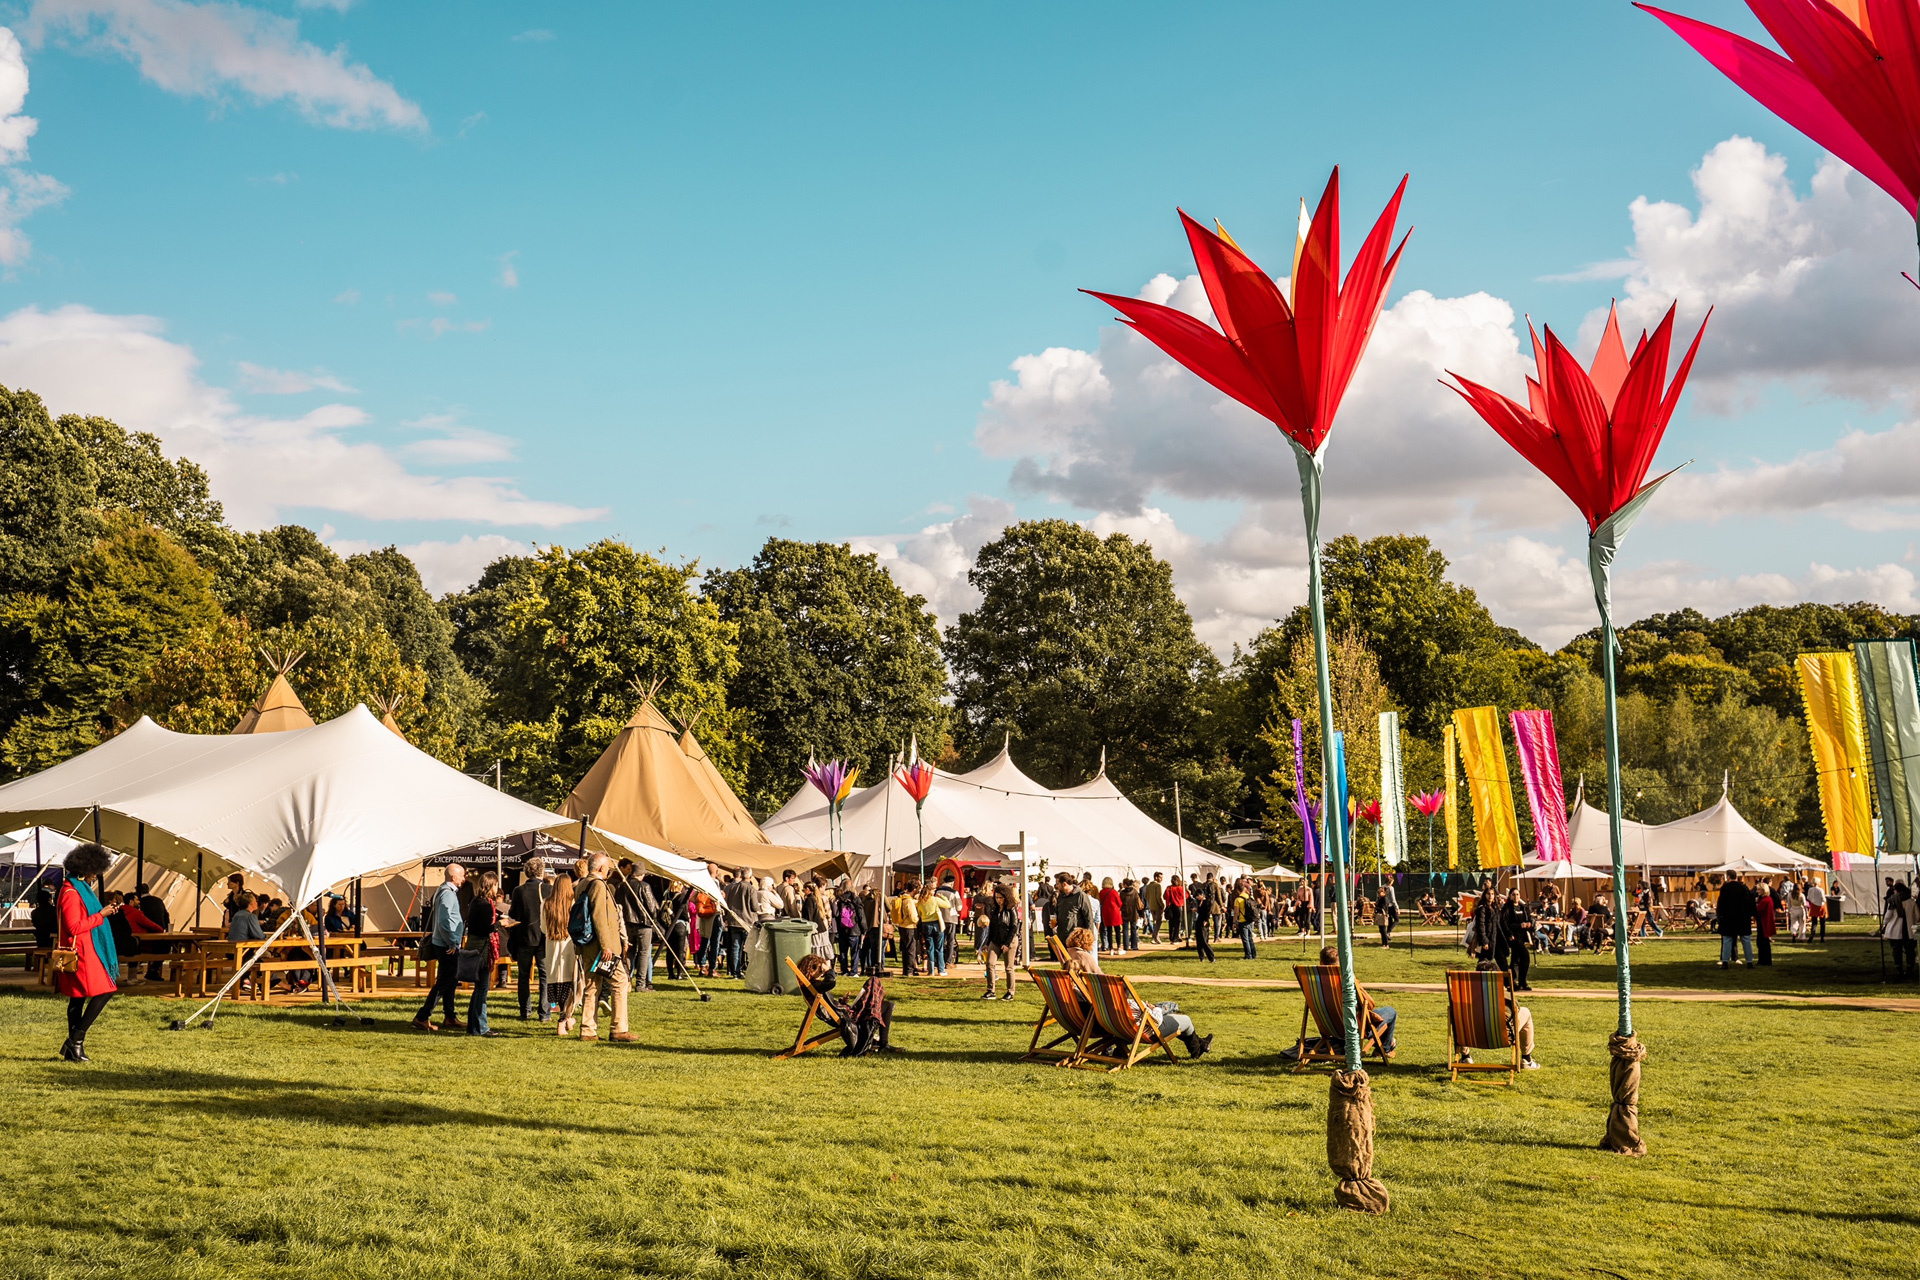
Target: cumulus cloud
x=451, y=442
x=206, y=50
x=263, y=467
x=22, y=191
x=934, y=561
x=1807, y=294
x=445, y=566
x=287, y=382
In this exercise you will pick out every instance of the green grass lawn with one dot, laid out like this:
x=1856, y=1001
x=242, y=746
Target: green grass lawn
x=1782, y=1140
x=1847, y=963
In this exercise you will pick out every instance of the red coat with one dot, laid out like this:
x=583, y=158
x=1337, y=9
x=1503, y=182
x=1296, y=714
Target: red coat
x=75, y=924
x=1763, y=910
x=1109, y=907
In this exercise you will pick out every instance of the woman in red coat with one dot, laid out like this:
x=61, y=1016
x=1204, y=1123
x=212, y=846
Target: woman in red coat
x=83, y=927
x=1767, y=916
x=1109, y=915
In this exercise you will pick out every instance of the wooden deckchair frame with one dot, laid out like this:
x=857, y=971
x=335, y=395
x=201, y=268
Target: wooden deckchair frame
x=1128, y=1049
x=1329, y=1037
x=817, y=1006
x=1050, y=1016
x=1510, y=1007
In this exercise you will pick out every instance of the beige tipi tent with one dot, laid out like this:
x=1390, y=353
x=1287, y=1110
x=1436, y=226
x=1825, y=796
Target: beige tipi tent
x=648, y=787
x=279, y=708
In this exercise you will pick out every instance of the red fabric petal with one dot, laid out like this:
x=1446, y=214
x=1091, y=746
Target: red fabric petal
x=1894, y=34
x=1580, y=420
x=1531, y=438
x=1253, y=313
x=1839, y=60
x=1637, y=425
x=1360, y=297
x=1610, y=361
x=1672, y=401
x=1787, y=91
x=1201, y=349
x=1316, y=307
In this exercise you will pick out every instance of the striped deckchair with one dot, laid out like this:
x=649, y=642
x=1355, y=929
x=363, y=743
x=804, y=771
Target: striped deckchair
x=1320, y=985
x=1065, y=1007
x=1124, y=1020
x=1481, y=1015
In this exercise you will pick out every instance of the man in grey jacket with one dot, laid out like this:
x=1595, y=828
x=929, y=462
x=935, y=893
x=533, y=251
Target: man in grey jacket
x=445, y=928
x=741, y=908
x=1154, y=895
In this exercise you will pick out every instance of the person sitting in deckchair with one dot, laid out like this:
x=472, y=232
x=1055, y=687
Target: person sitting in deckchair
x=1384, y=1018
x=1081, y=958
x=866, y=1022
x=1522, y=1027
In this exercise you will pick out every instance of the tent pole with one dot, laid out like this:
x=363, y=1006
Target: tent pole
x=96, y=824
x=139, y=857
x=199, y=886
x=238, y=974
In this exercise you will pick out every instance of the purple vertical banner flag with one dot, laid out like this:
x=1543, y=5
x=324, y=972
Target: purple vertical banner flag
x=1539, y=753
x=1308, y=814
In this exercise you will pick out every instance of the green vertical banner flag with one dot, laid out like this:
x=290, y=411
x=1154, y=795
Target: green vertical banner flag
x=1393, y=792
x=1890, y=694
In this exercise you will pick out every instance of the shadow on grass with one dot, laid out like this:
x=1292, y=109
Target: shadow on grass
x=242, y=1097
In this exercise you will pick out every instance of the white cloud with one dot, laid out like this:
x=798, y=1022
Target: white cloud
x=509, y=274
x=934, y=562
x=21, y=190
x=441, y=298
x=472, y=122
x=1806, y=290
x=347, y=297
x=263, y=468
x=452, y=442
x=288, y=382
x=445, y=566
x=203, y=50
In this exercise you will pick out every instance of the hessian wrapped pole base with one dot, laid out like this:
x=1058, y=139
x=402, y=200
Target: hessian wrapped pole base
x=1623, y=1118
x=1350, y=1143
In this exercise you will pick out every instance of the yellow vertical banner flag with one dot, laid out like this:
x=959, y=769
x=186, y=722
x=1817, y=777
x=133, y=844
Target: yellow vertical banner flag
x=1495, y=824
x=1453, y=806
x=1830, y=685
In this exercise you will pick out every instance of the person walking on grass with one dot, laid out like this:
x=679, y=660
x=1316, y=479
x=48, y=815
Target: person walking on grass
x=527, y=940
x=1514, y=949
x=743, y=904
x=1153, y=896
x=483, y=936
x=444, y=924
x=1002, y=931
x=933, y=944
x=1175, y=896
x=1109, y=915
x=1733, y=919
x=561, y=959
x=1386, y=914
x=602, y=959
x=1816, y=910
x=1131, y=908
x=1201, y=905
x=85, y=929
x=1766, y=918
x=1244, y=915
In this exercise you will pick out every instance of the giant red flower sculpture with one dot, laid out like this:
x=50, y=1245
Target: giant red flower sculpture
x=1289, y=359
x=1592, y=431
x=1850, y=79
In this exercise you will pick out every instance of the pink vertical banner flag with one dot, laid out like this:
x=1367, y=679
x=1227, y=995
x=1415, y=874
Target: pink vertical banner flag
x=1539, y=754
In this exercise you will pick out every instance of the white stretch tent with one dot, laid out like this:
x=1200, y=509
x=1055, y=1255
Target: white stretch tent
x=1710, y=838
x=1091, y=828
x=1561, y=869
x=36, y=847
x=304, y=808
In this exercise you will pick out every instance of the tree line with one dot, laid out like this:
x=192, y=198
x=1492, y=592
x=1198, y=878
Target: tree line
x=124, y=592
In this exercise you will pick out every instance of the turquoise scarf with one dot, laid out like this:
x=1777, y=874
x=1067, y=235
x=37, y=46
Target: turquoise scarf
x=109, y=955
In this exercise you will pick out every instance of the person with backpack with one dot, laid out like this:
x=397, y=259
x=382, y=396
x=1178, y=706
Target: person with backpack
x=445, y=925
x=599, y=936
x=846, y=930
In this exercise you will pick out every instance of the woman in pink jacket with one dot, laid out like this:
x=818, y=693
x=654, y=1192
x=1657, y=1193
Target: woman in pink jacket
x=83, y=928
x=1109, y=915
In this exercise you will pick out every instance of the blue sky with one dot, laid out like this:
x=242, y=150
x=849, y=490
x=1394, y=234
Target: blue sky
x=691, y=277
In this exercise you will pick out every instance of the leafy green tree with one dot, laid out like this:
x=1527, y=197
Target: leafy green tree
x=835, y=660
x=574, y=637
x=121, y=604
x=1080, y=645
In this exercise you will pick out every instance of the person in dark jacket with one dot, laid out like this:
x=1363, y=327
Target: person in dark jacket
x=527, y=939
x=1386, y=914
x=46, y=919
x=1514, y=926
x=483, y=935
x=1203, y=903
x=1073, y=908
x=1733, y=918
x=1002, y=931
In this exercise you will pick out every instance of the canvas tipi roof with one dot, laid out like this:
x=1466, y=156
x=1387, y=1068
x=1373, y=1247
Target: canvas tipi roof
x=1714, y=836
x=279, y=708
x=648, y=787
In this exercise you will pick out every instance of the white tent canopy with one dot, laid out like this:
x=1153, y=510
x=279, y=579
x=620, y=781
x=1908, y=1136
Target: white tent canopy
x=36, y=847
x=1091, y=828
x=304, y=809
x=1561, y=869
x=1710, y=838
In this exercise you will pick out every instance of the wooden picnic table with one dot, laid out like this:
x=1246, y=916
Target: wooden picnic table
x=395, y=944
x=216, y=955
